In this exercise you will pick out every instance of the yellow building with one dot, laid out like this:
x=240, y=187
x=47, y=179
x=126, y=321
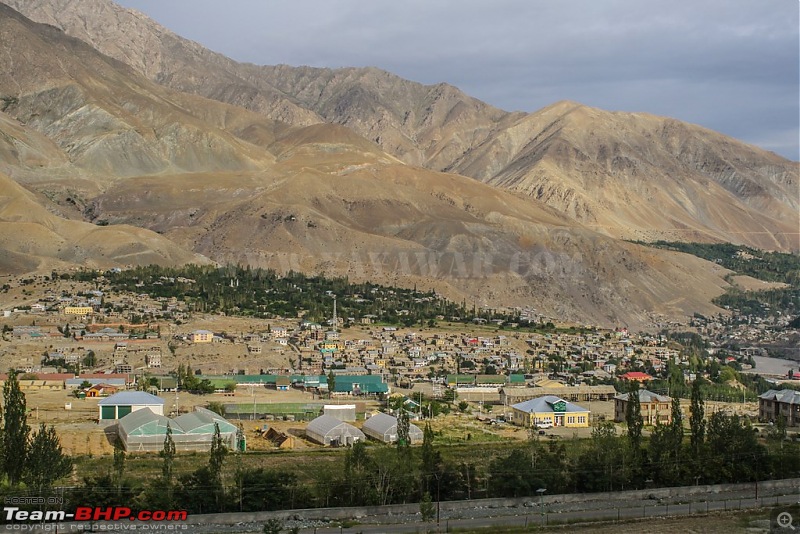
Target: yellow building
x=201, y=336
x=549, y=411
x=78, y=310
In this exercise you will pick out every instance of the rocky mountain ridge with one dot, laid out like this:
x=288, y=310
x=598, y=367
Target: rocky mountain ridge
x=95, y=141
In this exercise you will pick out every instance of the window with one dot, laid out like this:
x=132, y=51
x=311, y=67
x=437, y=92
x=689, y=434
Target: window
x=581, y=419
x=571, y=420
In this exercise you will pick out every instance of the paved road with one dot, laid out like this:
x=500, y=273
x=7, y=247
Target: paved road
x=535, y=518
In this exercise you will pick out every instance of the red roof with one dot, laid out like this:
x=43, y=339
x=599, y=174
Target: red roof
x=635, y=375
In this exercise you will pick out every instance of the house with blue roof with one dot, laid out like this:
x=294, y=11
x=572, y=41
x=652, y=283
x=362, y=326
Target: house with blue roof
x=549, y=411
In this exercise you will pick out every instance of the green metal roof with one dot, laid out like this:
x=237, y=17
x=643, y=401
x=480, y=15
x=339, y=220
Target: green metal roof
x=491, y=379
x=460, y=379
x=366, y=383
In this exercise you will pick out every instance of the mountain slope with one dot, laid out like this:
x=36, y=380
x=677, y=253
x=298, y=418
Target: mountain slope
x=319, y=198
x=106, y=119
x=31, y=238
x=633, y=176
x=338, y=208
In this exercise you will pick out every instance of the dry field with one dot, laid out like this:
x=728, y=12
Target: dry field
x=80, y=434
x=721, y=523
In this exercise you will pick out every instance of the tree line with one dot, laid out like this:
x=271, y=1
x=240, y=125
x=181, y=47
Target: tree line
x=264, y=293
x=720, y=448
x=698, y=449
x=30, y=460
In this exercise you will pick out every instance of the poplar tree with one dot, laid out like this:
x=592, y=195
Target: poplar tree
x=15, y=429
x=215, y=462
x=168, y=455
x=119, y=463
x=697, y=419
x=403, y=428
x=633, y=418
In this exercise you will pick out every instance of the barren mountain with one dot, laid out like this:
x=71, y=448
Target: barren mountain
x=339, y=208
x=102, y=142
x=107, y=120
x=634, y=176
x=31, y=239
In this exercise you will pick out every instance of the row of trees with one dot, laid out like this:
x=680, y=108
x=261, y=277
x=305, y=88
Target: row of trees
x=719, y=449
x=242, y=290
x=33, y=460
x=365, y=476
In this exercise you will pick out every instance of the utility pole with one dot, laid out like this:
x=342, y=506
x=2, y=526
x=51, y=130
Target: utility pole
x=541, y=491
x=335, y=320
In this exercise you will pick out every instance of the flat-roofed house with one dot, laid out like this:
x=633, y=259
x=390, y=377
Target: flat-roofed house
x=201, y=336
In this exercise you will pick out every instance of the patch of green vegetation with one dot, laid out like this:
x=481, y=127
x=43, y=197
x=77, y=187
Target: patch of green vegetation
x=7, y=102
x=760, y=264
x=256, y=292
x=763, y=265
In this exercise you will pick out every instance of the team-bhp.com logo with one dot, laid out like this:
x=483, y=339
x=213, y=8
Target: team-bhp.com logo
x=13, y=514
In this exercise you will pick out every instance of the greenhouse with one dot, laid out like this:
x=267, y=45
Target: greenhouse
x=383, y=427
x=144, y=430
x=327, y=430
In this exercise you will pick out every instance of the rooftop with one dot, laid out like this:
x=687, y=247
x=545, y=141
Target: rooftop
x=645, y=396
x=132, y=397
x=547, y=404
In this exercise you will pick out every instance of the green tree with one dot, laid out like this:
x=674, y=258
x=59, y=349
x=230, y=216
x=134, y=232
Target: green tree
x=633, y=417
x=427, y=451
x=216, y=462
x=602, y=465
x=167, y=454
x=666, y=455
x=90, y=360
x=737, y=455
x=697, y=419
x=403, y=427
x=119, y=463
x=45, y=460
x=331, y=383
x=273, y=526
x=432, y=465
x=357, y=480
x=15, y=429
x=161, y=491
x=426, y=507
x=512, y=476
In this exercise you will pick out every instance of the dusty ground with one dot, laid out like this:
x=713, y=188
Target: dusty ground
x=80, y=434
x=727, y=523
x=748, y=283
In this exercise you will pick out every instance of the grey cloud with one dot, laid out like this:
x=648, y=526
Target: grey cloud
x=730, y=65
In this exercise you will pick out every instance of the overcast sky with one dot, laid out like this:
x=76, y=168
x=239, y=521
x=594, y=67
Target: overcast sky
x=730, y=65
